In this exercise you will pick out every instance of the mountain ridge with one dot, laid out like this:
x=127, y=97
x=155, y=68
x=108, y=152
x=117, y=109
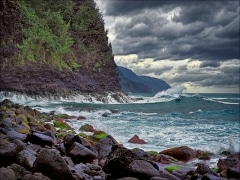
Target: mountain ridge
x=130, y=82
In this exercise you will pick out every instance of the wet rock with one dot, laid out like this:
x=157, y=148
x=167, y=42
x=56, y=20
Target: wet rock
x=232, y=161
x=26, y=159
x=16, y=135
x=20, y=118
x=182, y=153
x=211, y=177
x=7, y=103
x=169, y=176
x=142, y=154
x=7, y=174
x=5, y=125
x=183, y=172
x=19, y=170
x=20, y=145
x=69, y=161
x=142, y=169
x=10, y=113
x=34, y=148
x=87, y=128
x=165, y=159
x=69, y=139
x=50, y=163
x=195, y=176
x=114, y=111
x=136, y=140
x=127, y=178
x=103, y=147
x=118, y=161
x=81, y=118
x=50, y=127
x=41, y=139
x=106, y=114
x=8, y=152
x=79, y=153
x=79, y=170
x=203, y=155
x=20, y=128
x=158, y=178
x=203, y=169
x=35, y=176
x=233, y=173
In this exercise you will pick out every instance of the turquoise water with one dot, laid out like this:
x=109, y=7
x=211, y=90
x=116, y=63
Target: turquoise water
x=203, y=121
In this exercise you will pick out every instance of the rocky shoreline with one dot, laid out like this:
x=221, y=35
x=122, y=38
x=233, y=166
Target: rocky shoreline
x=36, y=145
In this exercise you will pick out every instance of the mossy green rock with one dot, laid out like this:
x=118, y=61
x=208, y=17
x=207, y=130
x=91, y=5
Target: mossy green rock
x=61, y=125
x=21, y=118
x=98, y=135
x=152, y=153
x=82, y=135
x=173, y=168
x=87, y=127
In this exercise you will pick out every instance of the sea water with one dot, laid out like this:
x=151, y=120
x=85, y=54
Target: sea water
x=208, y=122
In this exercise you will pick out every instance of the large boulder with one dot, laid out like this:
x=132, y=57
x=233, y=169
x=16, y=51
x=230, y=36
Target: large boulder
x=7, y=174
x=69, y=139
x=119, y=159
x=80, y=153
x=26, y=159
x=43, y=138
x=50, y=163
x=19, y=171
x=16, y=135
x=182, y=153
x=35, y=176
x=103, y=147
x=209, y=176
x=136, y=140
x=8, y=152
x=232, y=161
x=142, y=170
x=233, y=173
x=203, y=169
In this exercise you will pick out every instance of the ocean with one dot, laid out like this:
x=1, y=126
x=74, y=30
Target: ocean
x=208, y=122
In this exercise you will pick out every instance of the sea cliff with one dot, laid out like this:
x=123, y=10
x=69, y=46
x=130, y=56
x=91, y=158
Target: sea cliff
x=55, y=49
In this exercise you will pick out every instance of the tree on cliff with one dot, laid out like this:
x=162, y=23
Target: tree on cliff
x=65, y=34
x=67, y=39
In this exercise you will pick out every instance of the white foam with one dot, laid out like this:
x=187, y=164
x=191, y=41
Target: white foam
x=174, y=91
x=218, y=100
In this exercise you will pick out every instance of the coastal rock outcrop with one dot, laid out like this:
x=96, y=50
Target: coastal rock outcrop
x=93, y=71
x=182, y=153
x=136, y=140
x=51, y=163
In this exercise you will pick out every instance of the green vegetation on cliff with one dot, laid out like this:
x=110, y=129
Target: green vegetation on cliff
x=65, y=34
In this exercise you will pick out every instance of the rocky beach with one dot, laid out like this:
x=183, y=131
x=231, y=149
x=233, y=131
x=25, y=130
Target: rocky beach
x=38, y=145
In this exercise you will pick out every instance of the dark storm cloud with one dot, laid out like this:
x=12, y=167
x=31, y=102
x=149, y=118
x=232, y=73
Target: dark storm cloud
x=203, y=30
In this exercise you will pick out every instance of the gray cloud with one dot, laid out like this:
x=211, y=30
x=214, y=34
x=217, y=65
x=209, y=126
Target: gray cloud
x=209, y=64
x=200, y=30
x=156, y=70
x=205, y=31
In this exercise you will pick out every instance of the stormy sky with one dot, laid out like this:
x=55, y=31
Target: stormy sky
x=189, y=42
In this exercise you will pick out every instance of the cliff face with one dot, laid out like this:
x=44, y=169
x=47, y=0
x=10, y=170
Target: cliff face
x=10, y=29
x=78, y=58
